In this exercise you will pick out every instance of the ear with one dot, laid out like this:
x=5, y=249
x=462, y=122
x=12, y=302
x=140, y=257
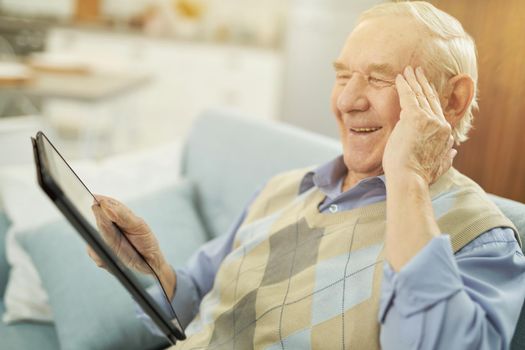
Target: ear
x=459, y=92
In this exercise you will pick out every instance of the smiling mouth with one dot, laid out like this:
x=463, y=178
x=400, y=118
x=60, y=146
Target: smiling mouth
x=362, y=131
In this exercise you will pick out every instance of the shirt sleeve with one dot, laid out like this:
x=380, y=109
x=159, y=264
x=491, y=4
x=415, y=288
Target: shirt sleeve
x=470, y=300
x=195, y=279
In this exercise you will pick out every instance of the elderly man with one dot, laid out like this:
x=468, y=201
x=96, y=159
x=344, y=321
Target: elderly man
x=385, y=246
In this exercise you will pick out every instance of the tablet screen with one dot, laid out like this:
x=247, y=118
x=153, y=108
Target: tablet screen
x=82, y=199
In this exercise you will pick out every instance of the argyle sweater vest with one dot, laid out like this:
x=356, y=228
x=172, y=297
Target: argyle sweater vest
x=299, y=279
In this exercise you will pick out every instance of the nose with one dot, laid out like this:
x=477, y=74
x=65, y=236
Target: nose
x=353, y=96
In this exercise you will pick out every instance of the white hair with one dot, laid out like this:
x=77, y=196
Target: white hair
x=451, y=52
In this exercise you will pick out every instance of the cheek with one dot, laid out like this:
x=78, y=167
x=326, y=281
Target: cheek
x=333, y=100
x=387, y=105
x=336, y=91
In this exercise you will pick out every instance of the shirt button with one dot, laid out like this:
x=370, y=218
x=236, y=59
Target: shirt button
x=333, y=208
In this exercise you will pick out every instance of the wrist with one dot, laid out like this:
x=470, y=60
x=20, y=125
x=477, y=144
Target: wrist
x=406, y=181
x=408, y=189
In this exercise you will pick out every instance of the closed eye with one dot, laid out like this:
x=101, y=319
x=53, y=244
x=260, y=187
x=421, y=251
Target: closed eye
x=379, y=81
x=342, y=78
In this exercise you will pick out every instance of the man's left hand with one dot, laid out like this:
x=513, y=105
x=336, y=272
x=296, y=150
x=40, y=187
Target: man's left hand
x=421, y=142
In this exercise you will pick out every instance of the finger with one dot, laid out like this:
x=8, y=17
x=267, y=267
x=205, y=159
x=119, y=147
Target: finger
x=407, y=98
x=453, y=153
x=105, y=212
x=450, y=142
x=100, y=215
x=122, y=216
x=94, y=256
x=432, y=96
x=445, y=165
x=438, y=101
x=108, y=200
x=106, y=227
x=417, y=89
x=448, y=160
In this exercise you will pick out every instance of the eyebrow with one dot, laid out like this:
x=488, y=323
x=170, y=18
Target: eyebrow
x=338, y=66
x=382, y=68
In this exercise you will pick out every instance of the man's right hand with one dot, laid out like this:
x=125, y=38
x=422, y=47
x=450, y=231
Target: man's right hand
x=110, y=212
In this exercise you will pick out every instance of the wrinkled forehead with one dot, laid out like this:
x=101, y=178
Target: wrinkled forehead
x=384, y=40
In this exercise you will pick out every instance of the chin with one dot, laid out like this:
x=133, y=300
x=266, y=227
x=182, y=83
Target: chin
x=363, y=165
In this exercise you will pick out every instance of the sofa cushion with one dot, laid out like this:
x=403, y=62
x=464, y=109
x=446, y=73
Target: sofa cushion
x=27, y=335
x=4, y=267
x=515, y=211
x=91, y=309
x=225, y=154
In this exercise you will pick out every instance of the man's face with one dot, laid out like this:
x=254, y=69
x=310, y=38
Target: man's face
x=364, y=97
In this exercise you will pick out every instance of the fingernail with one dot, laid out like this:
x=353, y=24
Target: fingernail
x=454, y=153
x=407, y=69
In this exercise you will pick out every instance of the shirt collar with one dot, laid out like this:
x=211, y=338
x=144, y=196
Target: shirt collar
x=329, y=178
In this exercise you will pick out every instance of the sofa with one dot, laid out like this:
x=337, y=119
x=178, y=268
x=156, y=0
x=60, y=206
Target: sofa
x=225, y=158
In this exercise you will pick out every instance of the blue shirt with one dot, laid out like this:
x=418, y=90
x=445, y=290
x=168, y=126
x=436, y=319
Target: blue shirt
x=438, y=300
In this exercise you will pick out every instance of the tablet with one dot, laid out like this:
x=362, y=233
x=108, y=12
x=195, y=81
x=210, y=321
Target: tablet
x=72, y=197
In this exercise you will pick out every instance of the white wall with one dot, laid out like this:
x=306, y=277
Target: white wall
x=53, y=8
x=316, y=31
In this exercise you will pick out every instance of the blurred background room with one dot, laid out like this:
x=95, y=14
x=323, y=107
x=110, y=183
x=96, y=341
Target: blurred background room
x=118, y=77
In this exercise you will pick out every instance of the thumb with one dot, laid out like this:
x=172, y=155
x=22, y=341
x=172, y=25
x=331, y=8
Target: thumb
x=94, y=256
x=446, y=164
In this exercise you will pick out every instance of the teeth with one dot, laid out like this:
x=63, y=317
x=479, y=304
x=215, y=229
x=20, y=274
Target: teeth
x=365, y=129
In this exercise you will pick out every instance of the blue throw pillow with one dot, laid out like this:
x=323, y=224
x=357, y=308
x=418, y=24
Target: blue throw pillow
x=90, y=308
